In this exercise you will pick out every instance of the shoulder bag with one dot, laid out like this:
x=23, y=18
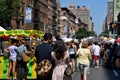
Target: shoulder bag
x=69, y=70
x=25, y=57
x=44, y=68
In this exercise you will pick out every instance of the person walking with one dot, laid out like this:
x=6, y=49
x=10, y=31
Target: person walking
x=96, y=54
x=43, y=52
x=22, y=69
x=84, y=59
x=12, y=58
x=72, y=52
x=117, y=61
x=61, y=58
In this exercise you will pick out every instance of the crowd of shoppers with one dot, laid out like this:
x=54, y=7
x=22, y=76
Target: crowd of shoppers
x=81, y=55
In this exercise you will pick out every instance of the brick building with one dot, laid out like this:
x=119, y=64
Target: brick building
x=67, y=23
x=45, y=15
x=39, y=15
x=19, y=22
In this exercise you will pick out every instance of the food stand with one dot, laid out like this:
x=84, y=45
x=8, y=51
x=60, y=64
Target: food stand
x=32, y=37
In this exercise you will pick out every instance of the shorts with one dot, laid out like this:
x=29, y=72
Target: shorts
x=84, y=68
x=95, y=57
x=72, y=56
x=12, y=58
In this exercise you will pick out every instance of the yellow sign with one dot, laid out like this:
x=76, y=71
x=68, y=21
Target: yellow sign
x=21, y=32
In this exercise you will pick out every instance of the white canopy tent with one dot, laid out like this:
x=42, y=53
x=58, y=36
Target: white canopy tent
x=2, y=29
x=67, y=39
x=112, y=41
x=1, y=44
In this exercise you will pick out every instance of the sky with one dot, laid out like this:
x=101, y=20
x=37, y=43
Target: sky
x=98, y=10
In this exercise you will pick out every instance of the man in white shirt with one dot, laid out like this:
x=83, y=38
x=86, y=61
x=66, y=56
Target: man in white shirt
x=96, y=53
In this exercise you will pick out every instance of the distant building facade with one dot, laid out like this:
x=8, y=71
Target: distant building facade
x=110, y=13
x=116, y=9
x=67, y=23
x=109, y=18
x=83, y=14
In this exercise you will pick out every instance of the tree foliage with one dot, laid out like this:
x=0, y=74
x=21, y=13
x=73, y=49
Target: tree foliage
x=105, y=33
x=82, y=33
x=9, y=8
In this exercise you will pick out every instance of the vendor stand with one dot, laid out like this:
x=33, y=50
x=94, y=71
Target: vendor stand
x=32, y=38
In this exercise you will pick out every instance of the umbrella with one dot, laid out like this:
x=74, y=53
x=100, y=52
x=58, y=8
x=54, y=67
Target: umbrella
x=118, y=40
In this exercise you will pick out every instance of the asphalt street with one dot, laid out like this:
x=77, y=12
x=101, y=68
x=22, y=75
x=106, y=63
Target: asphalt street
x=101, y=73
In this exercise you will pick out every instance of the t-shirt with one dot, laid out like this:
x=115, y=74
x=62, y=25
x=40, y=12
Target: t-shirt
x=96, y=50
x=43, y=51
x=84, y=56
x=21, y=49
x=12, y=49
x=72, y=51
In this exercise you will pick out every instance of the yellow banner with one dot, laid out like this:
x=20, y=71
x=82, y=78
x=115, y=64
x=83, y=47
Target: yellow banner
x=21, y=32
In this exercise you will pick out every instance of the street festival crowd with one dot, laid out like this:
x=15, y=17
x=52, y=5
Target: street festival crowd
x=58, y=60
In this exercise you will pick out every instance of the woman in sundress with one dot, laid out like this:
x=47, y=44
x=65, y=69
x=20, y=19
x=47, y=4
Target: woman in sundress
x=61, y=58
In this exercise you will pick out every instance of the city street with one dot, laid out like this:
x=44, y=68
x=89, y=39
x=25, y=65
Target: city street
x=59, y=32
x=101, y=73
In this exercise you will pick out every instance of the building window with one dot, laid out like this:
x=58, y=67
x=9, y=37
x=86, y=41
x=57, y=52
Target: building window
x=64, y=13
x=110, y=11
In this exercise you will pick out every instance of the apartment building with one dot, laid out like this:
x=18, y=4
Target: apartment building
x=25, y=20
x=46, y=15
x=52, y=16
x=67, y=23
x=40, y=15
x=109, y=18
x=83, y=14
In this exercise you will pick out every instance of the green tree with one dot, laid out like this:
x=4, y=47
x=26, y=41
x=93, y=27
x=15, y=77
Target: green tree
x=105, y=33
x=3, y=11
x=9, y=8
x=91, y=33
x=81, y=33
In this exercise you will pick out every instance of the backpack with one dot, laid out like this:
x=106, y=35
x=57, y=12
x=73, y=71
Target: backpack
x=72, y=51
x=44, y=68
